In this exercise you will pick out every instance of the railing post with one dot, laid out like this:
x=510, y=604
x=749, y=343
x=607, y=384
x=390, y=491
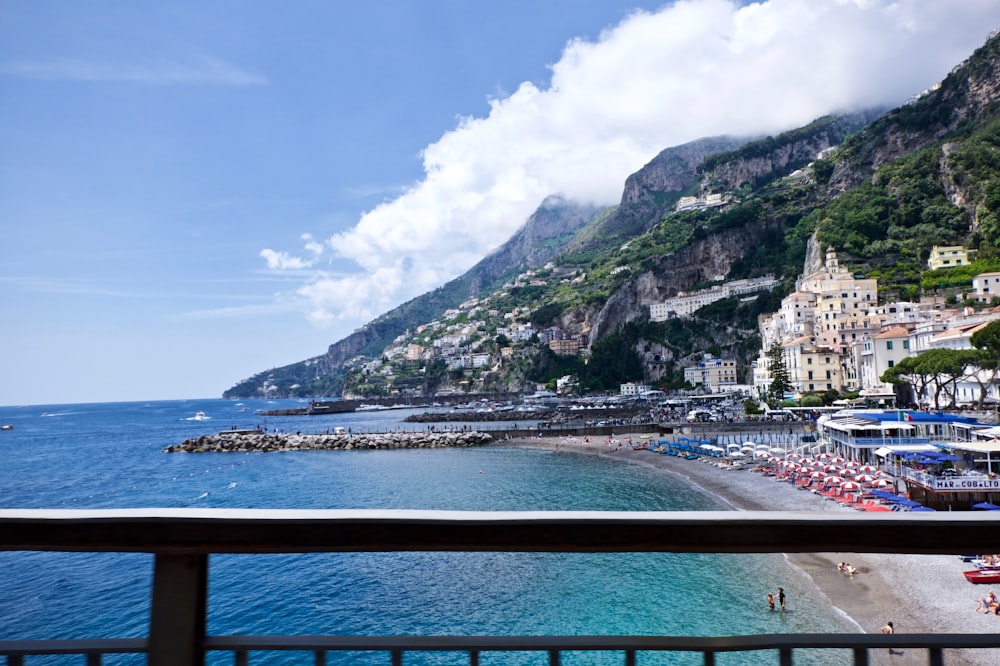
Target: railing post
x=179, y=609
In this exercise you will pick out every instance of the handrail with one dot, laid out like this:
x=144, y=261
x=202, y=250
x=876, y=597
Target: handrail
x=183, y=540
x=207, y=531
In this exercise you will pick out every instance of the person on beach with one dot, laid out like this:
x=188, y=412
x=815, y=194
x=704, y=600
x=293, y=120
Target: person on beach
x=889, y=629
x=770, y=601
x=781, y=598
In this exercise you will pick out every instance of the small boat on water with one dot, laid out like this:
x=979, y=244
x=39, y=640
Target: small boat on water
x=6, y=426
x=989, y=576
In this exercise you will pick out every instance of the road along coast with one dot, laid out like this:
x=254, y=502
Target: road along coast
x=918, y=593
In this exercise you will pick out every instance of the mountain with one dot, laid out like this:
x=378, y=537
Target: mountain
x=882, y=188
x=549, y=228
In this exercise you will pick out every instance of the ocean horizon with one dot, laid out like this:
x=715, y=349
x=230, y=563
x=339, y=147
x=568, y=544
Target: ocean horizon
x=110, y=455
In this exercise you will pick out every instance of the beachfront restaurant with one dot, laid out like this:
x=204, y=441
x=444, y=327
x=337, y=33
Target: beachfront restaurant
x=956, y=476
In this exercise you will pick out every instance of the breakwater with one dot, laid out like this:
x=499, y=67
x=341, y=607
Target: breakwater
x=250, y=440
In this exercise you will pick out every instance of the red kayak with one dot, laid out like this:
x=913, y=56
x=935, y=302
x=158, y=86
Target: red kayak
x=983, y=576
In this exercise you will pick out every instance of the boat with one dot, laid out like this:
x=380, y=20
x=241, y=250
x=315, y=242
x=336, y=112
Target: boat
x=989, y=576
x=6, y=426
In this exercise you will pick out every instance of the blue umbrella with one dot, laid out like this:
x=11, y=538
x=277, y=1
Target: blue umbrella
x=986, y=506
x=920, y=507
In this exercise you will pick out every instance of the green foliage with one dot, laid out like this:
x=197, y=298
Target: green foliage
x=958, y=276
x=811, y=401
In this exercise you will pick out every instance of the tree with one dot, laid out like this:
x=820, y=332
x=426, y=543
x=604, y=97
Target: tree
x=781, y=382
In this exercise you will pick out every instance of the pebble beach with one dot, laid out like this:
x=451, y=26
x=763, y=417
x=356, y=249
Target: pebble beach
x=918, y=593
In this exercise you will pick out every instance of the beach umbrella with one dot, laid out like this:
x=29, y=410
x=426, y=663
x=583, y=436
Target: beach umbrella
x=808, y=461
x=850, y=486
x=865, y=478
x=806, y=470
x=823, y=456
x=817, y=475
x=774, y=460
x=796, y=456
x=831, y=468
x=851, y=464
x=837, y=460
x=921, y=508
x=762, y=454
x=868, y=469
x=883, y=483
x=986, y=506
x=833, y=480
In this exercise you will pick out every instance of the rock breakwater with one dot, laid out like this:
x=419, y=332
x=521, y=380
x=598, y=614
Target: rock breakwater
x=242, y=441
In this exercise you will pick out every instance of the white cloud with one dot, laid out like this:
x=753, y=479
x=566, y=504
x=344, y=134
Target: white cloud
x=201, y=70
x=696, y=68
x=282, y=261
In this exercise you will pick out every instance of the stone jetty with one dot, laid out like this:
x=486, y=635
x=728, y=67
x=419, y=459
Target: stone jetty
x=247, y=441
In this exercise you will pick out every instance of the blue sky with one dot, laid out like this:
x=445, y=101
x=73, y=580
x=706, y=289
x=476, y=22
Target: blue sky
x=192, y=192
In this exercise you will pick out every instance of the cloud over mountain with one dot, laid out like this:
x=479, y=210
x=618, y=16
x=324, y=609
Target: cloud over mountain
x=695, y=68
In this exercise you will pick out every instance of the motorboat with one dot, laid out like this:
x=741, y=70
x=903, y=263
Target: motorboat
x=989, y=576
x=7, y=426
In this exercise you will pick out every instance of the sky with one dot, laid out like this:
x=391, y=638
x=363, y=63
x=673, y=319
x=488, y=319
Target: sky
x=193, y=192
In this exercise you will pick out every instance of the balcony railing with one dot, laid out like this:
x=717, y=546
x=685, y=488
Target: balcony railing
x=182, y=541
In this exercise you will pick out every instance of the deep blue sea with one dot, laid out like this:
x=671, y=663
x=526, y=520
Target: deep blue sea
x=110, y=455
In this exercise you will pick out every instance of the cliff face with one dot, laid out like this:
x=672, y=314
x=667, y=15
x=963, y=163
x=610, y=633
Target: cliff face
x=651, y=192
x=967, y=96
x=674, y=169
x=764, y=160
x=697, y=263
x=546, y=232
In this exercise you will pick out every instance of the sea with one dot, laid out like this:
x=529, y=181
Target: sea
x=111, y=455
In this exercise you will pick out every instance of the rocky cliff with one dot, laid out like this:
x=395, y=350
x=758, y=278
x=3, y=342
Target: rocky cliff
x=698, y=263
x=966, y=98
x=762, y=161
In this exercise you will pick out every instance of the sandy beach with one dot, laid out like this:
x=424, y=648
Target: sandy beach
x=918, y=593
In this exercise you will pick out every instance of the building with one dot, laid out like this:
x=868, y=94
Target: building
x=948, y=256
x=565, y=347
x=712, y=373
x=632, y=388
x=986, y=286
x=812, y=368
x=879, y=353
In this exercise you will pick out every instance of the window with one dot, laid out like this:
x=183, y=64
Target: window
x=888, y=345
x=892, y=363
x=809, y=361
x=828, y=374
x=906, y=344
x=810, y=374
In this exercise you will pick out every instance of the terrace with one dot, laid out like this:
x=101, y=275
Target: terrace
x=182, y=541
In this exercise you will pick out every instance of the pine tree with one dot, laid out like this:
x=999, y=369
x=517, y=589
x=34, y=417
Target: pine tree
x=781, y=383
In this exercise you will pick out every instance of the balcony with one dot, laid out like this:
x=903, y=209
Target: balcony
x=182, y=541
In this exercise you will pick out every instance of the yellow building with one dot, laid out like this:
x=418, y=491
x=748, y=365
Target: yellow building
x=948, y=256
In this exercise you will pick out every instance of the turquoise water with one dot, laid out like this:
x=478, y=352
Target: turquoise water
x=110, y=455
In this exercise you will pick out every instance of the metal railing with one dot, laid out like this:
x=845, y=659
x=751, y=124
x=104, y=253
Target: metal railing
x=183, y=539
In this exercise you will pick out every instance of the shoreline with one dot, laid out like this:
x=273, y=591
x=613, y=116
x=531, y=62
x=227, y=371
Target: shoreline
x=918, y=593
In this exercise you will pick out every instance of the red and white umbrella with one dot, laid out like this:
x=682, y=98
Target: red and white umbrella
x=790, y=465
x=808, y=461
x=762, y=454
x=837, y=460
x=852, y=464
x=831, y=468
x=850, y=486
x=833, y=480
x=817, y=475
x=823, y=456
x=883, y=483
x=868, y=469
x=774, y=459
x=864, y=478
x=806, y=470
